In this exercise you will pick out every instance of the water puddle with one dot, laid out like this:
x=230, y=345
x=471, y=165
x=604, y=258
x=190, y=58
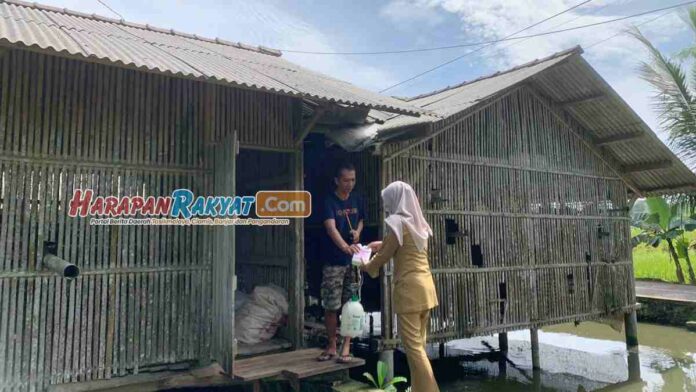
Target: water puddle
x=590, y=357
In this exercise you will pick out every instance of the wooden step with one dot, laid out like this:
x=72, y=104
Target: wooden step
x=293, y=365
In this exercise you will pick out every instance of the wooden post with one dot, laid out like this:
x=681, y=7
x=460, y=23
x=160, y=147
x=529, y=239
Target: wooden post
x=631, y=323
x=502, y=367
x=297, y=281
x=631, y=326
x=386, y=356
x=535, y=348
x=536, y=380
x=503, y=342
x=633, y=365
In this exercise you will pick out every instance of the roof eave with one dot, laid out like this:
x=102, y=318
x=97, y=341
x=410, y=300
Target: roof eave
x=50, y=51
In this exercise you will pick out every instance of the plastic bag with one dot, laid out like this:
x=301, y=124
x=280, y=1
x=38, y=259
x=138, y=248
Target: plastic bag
x=259, y=318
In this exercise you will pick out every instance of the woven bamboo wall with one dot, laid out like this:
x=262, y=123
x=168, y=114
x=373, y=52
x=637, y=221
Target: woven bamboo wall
x=143, y=297
x=264, y=254
x=526, y=191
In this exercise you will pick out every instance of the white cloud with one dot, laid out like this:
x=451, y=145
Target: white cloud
x=255, y=23
x=406, y=14
x=616, y=59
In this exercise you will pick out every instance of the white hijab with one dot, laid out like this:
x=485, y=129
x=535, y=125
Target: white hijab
x=401, y=204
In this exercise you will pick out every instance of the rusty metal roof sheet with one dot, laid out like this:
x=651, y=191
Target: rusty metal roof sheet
x=144, y=47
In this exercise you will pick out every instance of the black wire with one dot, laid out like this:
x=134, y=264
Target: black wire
x=519, y=42
x=110, y=9
x=534, y=35
x=623, y=32
x=483, y=47
x=496, y=40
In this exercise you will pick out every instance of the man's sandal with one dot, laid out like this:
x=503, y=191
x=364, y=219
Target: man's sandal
x=325, y=356
x=345, y=358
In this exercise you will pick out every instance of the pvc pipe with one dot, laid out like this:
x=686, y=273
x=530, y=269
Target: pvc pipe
x=61, y=267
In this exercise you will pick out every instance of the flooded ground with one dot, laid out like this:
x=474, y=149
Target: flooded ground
x=590, y=357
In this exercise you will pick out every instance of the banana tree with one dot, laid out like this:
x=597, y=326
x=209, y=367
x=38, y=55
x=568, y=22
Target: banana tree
x=658, y=221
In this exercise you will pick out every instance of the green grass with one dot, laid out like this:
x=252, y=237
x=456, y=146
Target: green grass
x=655, y=263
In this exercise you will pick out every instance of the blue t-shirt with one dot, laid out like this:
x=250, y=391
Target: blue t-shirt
x=341, y=211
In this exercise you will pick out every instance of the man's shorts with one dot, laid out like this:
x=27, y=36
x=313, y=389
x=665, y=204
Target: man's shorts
x=336, y=286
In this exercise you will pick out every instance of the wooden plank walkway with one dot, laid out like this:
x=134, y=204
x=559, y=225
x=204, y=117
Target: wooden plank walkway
x=666, y=291
x=292, y=365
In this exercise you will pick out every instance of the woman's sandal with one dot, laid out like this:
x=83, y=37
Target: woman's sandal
x=325, y=356
x=345, y=358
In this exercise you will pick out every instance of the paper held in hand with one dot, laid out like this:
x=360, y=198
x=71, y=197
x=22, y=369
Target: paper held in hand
x=363, y=256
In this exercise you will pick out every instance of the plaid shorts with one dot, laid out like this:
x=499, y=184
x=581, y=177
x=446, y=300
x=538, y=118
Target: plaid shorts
x=336, y=286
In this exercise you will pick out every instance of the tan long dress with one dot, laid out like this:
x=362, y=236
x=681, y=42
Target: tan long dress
x=413, y=297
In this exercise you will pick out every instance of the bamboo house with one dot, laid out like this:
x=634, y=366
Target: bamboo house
x=525, y=177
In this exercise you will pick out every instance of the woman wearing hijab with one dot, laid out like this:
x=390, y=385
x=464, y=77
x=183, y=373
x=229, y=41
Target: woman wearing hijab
x=414, y=289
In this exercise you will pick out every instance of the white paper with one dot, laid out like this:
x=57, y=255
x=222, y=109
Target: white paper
x=363, y=256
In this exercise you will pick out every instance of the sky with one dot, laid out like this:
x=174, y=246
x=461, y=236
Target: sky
x=363, y=25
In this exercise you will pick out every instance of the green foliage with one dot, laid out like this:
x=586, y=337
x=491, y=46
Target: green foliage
x=675, y=98
x=655, y=263
x=381, y=382
x=661, y=220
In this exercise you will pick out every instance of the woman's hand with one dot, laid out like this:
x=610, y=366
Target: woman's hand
x=363, y=265
x=375, y=246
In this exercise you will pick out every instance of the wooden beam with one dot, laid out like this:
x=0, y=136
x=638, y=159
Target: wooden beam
x=580, y=101
x=584, y=135
x=308, y=127
x=619, y=138
x=255, y=147
x=677, y=188
x=646, y=166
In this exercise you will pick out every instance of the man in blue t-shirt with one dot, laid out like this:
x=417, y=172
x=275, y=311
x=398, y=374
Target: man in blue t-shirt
x=343, y=215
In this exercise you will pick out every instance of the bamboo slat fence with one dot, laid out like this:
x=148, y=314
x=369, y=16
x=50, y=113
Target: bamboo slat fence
x=144, y=296
x=530, y=227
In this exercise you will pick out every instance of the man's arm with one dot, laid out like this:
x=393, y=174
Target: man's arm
x=330, y=226
x=358, y=232
x=362, y=212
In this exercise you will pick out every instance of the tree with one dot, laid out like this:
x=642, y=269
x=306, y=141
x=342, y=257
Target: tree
x=675, y=100
x=659, y=221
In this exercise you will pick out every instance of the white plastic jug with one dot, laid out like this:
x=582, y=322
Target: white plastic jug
x=352, y=318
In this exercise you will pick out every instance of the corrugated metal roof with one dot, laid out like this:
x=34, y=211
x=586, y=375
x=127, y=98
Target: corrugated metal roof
x=562, y=77
x=610, y=116
x=455, y=99
x=144, y=47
